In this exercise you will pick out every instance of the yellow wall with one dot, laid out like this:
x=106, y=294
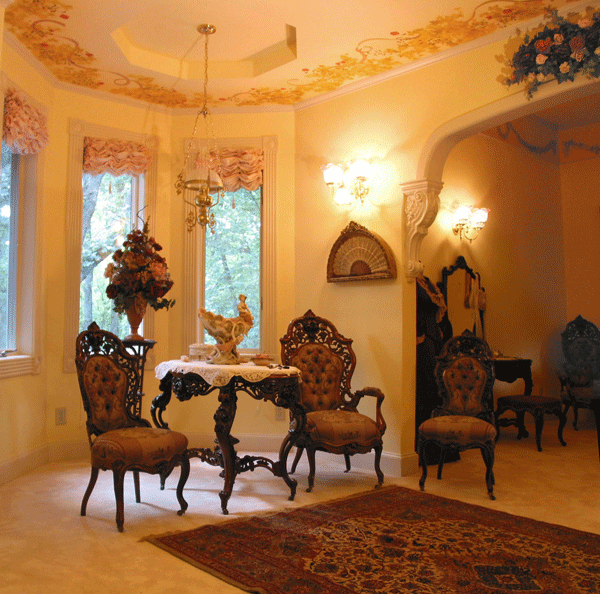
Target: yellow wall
x=581, y=237
x=519, y=253
x=391, y=122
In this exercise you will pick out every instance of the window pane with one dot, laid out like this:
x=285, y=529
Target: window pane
x=107, y=206
x=232, y=264
x=9, y=201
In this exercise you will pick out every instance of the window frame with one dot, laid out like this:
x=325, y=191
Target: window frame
x=78, y=130
x=24, y=360
x=193, y=289
x=13, y=252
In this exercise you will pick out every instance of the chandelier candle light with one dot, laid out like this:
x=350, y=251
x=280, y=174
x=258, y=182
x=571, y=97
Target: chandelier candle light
x=203, y=176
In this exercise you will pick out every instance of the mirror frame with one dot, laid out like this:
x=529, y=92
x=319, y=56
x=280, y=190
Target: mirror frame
x=447, y=271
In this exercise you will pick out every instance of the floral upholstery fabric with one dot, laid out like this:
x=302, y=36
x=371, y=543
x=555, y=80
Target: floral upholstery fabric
x=457, y=429
x=143, y=447
x=339, y=427
x=106, y=389
x=321, y=375
x=465, y=380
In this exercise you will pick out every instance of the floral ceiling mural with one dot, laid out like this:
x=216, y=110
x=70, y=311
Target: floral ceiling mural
x=49, y=32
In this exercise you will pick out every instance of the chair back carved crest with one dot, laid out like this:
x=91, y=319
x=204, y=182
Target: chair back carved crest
x=465, y=378
x=109, y=382
x=326, y=360
x=581, y=348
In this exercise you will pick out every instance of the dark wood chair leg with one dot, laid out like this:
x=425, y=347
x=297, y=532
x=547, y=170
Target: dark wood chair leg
x=296, y=459
x=136, y=483
x=347, y=459
x=487, y=453
x=183, y=477
x=562, y=415
x=90, y=488
x=521, y=425
x=575, y=416
x=118, y=478
x=538, y=415
x=441, y=464
x=378, y=472
x=423, y=462
x=310, y=452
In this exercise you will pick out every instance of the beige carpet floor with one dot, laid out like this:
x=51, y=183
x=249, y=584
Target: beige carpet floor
x=46, y=547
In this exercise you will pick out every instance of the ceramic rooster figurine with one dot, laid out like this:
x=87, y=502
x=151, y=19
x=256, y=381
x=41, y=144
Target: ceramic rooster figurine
x=228, y=332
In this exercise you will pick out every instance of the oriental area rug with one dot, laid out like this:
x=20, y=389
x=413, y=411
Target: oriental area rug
x=391, y=541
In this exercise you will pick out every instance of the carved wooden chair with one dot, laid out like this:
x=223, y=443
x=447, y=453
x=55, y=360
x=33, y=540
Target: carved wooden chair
x=465, y=419
x=581, y=349
x=120, y=440
x=333, y=423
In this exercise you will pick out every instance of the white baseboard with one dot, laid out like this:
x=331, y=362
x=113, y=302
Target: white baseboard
x=55, y=452
x=391, y=464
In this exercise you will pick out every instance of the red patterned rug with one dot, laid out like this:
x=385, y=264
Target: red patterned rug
x=391, y=541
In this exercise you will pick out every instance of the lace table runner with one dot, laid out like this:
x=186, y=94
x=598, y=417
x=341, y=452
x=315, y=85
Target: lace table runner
x=220, y=375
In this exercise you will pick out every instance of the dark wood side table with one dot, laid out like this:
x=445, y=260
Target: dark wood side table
x=140, y=349
x=279, y=385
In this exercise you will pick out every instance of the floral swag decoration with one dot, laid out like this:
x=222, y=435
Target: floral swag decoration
x=559, y=52
x=138, y=274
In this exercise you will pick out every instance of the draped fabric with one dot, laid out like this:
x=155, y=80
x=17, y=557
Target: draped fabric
x=117, y=157
x=25, y=130
x=241, y=168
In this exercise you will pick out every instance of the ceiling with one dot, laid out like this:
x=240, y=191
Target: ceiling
x=264, y=55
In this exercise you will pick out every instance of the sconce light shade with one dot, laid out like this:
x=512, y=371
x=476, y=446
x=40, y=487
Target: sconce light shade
x=359, y=169
x=333, y=174
x=348, y=183
x=469, y=221
x=479, y=218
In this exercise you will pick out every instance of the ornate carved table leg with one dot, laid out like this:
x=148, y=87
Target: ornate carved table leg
x=295, y=429
x=159, y=404
x=223, y=421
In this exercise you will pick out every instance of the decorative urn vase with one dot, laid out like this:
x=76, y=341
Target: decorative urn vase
x=135, y=315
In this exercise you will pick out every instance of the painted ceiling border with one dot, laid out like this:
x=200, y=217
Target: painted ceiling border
x=498, y=35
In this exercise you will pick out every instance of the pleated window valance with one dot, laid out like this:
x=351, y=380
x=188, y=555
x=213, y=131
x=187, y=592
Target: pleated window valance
x=241, y=168
x=114, y=156
x=24, y=130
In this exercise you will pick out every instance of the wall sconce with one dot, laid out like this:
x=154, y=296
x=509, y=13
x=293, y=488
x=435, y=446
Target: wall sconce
x=469, y=221
x=348, y=182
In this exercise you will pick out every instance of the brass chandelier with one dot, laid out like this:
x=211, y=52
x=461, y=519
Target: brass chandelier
x=202, y=175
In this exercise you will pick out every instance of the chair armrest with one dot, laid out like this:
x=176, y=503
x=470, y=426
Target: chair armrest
x=376, y=393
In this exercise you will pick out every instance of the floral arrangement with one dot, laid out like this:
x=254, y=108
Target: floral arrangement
x=559, y=51
x=138, y=274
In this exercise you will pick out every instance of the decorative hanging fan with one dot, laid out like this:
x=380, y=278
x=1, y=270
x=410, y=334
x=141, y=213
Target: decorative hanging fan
x=359, y=254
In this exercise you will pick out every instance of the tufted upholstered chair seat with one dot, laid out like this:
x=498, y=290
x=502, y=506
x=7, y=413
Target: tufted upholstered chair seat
x=465, y=419
x=580, y=342
x=120, y=440
x=333, y=423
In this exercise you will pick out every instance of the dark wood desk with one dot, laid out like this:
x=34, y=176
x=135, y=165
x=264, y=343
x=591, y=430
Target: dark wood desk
x=279, y=385
x=510, y=369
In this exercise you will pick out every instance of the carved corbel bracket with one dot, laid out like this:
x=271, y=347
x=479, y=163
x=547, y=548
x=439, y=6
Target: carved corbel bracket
x=421, y=206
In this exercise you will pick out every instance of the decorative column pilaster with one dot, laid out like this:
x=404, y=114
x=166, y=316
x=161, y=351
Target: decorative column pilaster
x=421, y=207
